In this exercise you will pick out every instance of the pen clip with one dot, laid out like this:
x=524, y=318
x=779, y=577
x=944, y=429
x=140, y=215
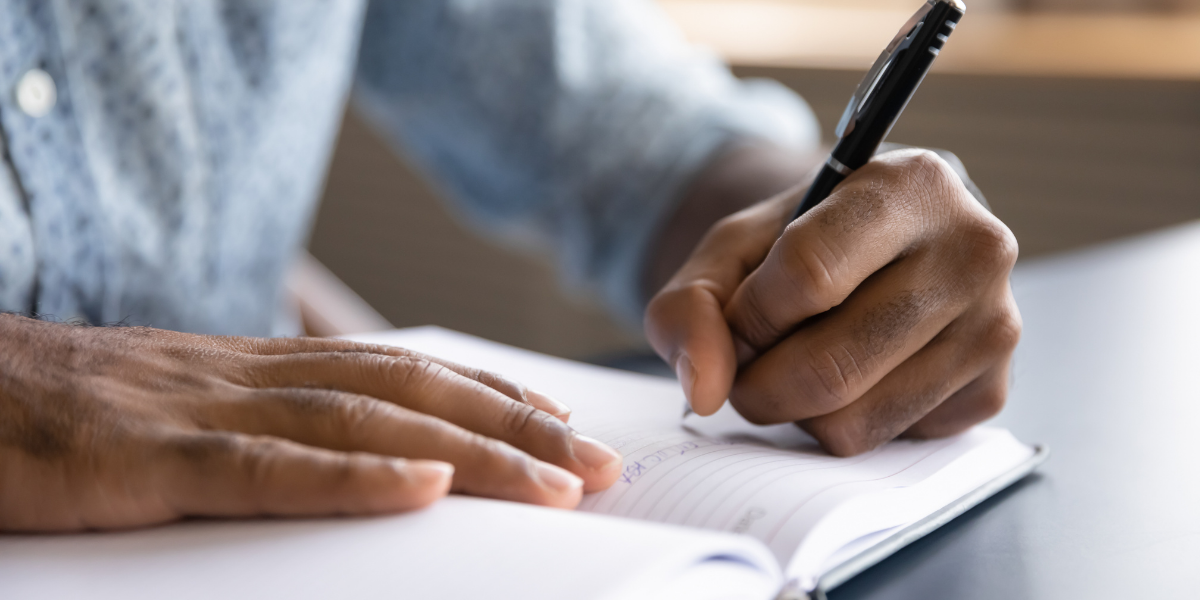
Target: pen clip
x=858, y=102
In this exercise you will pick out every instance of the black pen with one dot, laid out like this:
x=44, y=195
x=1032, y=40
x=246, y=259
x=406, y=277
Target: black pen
x=880, y=98
x=883, y=93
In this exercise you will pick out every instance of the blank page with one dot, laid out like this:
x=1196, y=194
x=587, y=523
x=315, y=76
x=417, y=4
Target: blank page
x=460, y=548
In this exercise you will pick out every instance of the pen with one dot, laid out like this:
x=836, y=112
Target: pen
x=880, y=98
x=883, y=93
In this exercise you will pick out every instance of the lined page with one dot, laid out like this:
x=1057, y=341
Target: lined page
x=755, y=486
x=717, y=473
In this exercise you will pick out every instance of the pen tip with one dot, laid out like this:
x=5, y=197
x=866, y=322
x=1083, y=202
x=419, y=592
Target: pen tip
x=687, y=410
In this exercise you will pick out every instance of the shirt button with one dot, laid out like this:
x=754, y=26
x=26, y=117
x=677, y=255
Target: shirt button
x=36, y=93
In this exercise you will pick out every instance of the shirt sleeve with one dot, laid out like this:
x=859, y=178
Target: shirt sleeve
x=573, y=124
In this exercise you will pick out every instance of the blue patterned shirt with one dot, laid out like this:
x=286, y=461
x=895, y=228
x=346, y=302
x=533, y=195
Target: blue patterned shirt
x=173, y=179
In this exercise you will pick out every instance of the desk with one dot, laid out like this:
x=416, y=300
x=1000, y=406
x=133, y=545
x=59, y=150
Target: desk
x=1107, y=374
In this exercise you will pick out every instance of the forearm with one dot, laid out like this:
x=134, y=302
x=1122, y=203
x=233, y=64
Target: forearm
x=744, y=173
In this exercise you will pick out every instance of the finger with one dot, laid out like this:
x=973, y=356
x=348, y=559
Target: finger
x=832, y=361
x=685, y=323
x=689, y=331
x=227, y=474
x=956, y=381
x=433, y=389
x=879, y=213
x=302, y=345
x=350, y=422
x=980, y=400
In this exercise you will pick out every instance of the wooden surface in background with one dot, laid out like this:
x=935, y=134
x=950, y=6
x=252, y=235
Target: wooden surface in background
x=1064, y=162
x=850, y=35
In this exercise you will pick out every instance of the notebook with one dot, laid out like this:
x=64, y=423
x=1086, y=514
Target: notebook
x=711, y=507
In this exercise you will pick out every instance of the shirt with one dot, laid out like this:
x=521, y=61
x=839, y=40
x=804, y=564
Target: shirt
x=174, y=178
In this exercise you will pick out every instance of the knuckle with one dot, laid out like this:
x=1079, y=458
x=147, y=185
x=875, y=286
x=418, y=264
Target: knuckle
x=829, y=377
x=839, y=437
x=298, y=401
x=951, y=158
x=927, y=168
x=202, y=449
x=982, y=404
x=410, y=373
x=238, y=370
x=352, y=414
x=508, y=387
x=250, y=345
x=521, y=420
x=751, y=322
x=690, y=295
x=1003, y=331
x=493, y=455
x=250, y=460
x=489, y=449
x=810, y=267
x=255, y=458
x=933, y=189
x=993, y=248
x=341, y=472
x=990, y=402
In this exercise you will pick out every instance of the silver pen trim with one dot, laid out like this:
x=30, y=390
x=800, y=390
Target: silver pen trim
x=837, y=165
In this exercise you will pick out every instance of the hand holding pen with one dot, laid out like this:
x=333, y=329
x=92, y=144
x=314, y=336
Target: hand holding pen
x=883, y=310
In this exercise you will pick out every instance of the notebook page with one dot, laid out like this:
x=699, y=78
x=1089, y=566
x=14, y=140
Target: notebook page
x=774, y=492
x=461, y=547
x=717, y=473
x=887, y=511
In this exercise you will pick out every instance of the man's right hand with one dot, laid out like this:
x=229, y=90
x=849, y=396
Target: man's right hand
x=120, y=427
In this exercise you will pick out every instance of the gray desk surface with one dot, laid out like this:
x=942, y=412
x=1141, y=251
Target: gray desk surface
x=1107, y=374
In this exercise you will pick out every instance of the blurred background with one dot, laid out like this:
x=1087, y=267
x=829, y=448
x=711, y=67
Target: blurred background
x=1079, y=120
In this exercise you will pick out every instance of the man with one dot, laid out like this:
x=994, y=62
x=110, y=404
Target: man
x=162, y=161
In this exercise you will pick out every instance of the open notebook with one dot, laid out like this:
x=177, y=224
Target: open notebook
x=711, y=508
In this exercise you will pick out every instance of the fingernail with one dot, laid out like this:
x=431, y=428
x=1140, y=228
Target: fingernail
x=686, y=374
x=545, y=403
x=557, y=479
x=427, y=471
x=592, y=453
